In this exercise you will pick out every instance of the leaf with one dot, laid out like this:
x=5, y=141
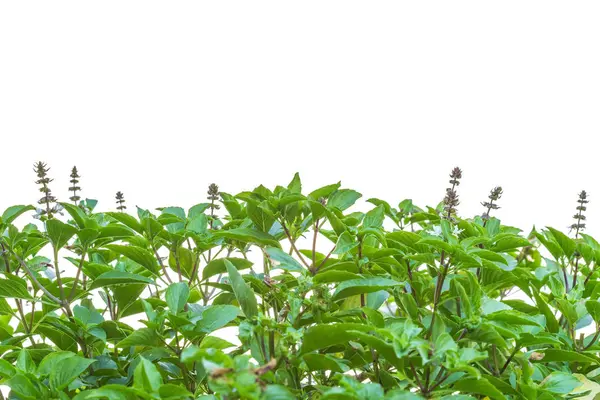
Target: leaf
x=479, y=386
x=325, y=335
x=263, y=218
x=140, y=337
x=217, y=266
x=52, y=360
x=566, y=355
x=593, y=307
x=248, y=236
x=551, y=245
x=11, y=213
x=59, y=233
x=346, y=242
x=334, y=276
x=383, y=348
x=568, y=310
x=198, y=224
x=87, y=316
x=110, y=391
x=76, y=213
x=374, y=218
x=112, y=278
x=560, y=382
x=115, y=231
x=215, y=317
x=214, y=342
x=127, y=220
x=324, y=192
x=277, y=392
x=588, y=386
x=323, y=362
x=177, y=214
x=507, y=243
x=170, y=391
x=566, y=243
x=87, y=236
x=364, y=285
x=437, y=244
x=137, y=254
x=295, y=186
x=513, y=317
x=23, y=387
x=146, y=376
x=25, y=362
x=283, y=260
x=527, y=339
x=6, y=369
x=443, y=344
x=176, y=296
x=243, y=292
x=343, y=199
x=66, y=370
x=551, y=322
x=12, y=289
x=489, y=255
x=182, y=260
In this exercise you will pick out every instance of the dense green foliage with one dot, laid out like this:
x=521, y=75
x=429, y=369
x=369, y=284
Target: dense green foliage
x=231, y=299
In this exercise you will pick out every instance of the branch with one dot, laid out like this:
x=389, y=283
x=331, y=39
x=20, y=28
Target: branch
x=79, y=268
x=287, y=233
x=35, y=281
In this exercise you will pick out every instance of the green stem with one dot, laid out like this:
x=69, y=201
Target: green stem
x=287, y=233
x=35, y=281
x=5, y=256
x=510, y=357
x=79, y=268
x=591, y=343
x=58, y=278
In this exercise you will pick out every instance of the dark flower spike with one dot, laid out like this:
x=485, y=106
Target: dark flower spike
x=213, y=195
x=455, y=175
x=451, y=198
x=74, y=186
x=120, y=201
x=41, y=170
x=495, y=195
x=579, y=217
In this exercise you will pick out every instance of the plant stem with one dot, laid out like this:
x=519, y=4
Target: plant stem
x=591, y=343
x=564, y=271
x=35, y=281
x=510, y=357
x=314, y=248
x=5, y=256
x=162, y=265
x=419, y=384
x=58, y=278
x=438, y=290
x=23, y=319
x=287, y=233
x=177, y=263
x=589, y=276
x=79, y=268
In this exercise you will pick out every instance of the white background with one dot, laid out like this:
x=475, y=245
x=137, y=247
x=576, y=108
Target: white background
x=159, y=99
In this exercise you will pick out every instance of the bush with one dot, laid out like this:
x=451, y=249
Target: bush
x=403, y=303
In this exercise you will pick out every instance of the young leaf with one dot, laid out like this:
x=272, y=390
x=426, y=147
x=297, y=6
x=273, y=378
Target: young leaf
x=177, y=296
x=137, y=254
x=146, y=376
x=59, y=233
x=243, y=292
x=363, y=285
x=283, y=260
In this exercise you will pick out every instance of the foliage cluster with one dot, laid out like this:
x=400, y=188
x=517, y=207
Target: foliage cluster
x=232, y=299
